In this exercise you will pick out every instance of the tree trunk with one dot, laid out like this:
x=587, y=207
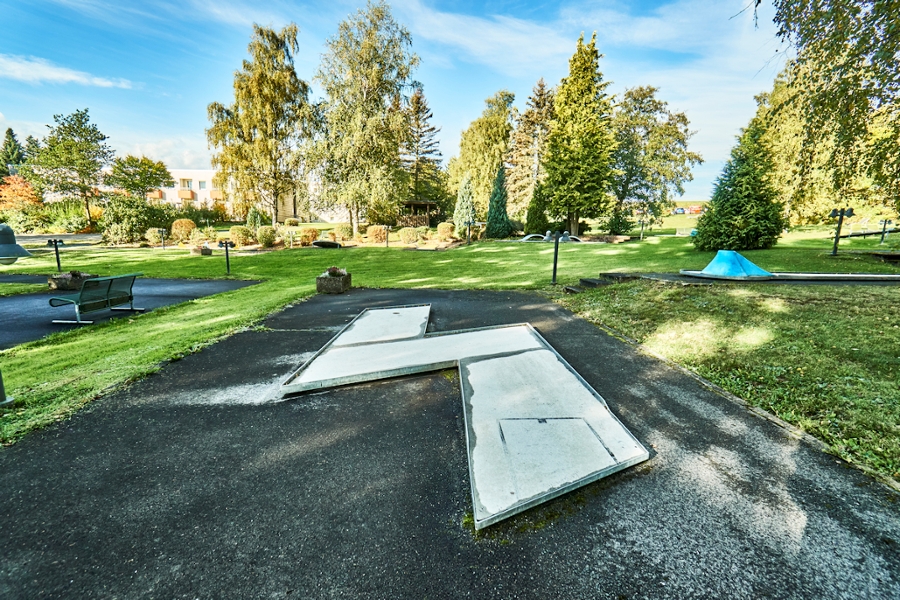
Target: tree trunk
x=87, y=209
x=353, y=224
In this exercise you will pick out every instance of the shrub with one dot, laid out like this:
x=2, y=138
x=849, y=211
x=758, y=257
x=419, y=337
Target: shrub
x=619, y=222
x=423, y=233
x=197, y=237
x=182, y=228
x=361, y=228
x=125, y=220
x=152, y=235
x=240, y=235
x=211, y=233
x=344, y=232
x=408, y=235
x=308, y=235
x=265, y=235
x=377, y=234
x=291, y=222
x=445, y=231
x=66, y=216
x=255, y=219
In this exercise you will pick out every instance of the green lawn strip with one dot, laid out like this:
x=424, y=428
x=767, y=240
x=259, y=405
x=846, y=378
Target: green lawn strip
x=11, y=289
x=824, y=358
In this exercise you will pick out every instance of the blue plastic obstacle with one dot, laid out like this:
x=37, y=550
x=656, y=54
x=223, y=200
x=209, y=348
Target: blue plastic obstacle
x=728, y=264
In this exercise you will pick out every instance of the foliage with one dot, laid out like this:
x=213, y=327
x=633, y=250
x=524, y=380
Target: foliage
x=11, y=153
x=126, y=219
x=481, y=150
x=377, y=234
x=335, y=272
x=421, y=155
x=651, y=161
x=240, y=235
x=70, y=159
x=581, y=142
x=498, y=225
x=744, y=213
x=258, y=138
x=265, y=235
x=408, y=235
x=619, y=222
x=26, y=220
x=536, y=218
x=255, y=219
x=291, y=222
x=528, y=148
x=423, y=233
x=365, y=73
x=181, y=229
x=65, y=216
x=464, y=212
x=445, y=231
x=17, y=194
x=308, y=235
x=343, y=232
x=138, y=176
x=153, y=236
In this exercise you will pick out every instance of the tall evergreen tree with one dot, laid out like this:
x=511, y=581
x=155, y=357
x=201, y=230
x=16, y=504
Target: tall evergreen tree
x=498, y=225
x=71, y=159
x=744, y=212
x=581, y=142
x=366, y=73
x=12, y=152
x=421, y=154
x=528, y=146
x=536, y=217
x=482, y=147
x=464, y=213
x=258, y=138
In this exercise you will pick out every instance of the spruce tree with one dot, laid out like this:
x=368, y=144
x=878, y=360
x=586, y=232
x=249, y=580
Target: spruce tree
x=12, y=152
x=498, y=225
x=581, y=142
x=744, y=212
x=464, y=213
x=421, y=155
x=536, y=218
x=526, y=154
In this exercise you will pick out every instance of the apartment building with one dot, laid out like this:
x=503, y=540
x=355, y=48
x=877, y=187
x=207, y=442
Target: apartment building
x=192, y=187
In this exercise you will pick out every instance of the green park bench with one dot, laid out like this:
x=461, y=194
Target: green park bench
x=99, y=293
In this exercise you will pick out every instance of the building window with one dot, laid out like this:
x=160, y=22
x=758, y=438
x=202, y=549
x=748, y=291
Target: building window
x=186, y=184
x=202, y=185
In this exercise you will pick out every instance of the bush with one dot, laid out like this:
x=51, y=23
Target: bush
x=424, y=233
x=125, y=220
x=343, y=232
x=291, y=222
x=445, y=231
x=240, y=235
x=265, y=235
x=152, y=235
x=255, y=219
x=308, y=235
x=197, y=237
x=182, y=228
x=211, y=233
x=66, y=216
x=361, y=228
x=619, y=222
x=377, y=234
x=408, y=235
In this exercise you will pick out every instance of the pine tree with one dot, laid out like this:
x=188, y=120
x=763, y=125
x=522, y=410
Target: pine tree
x=498, y=225
x=744, y=213
x=421, y=154
x=536, y=218
x=12, y=153
x=581, y=141
x=464, y=213
x=529, y=142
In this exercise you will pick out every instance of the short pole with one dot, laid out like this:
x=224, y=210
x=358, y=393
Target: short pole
x=55, y=244
x=4, y=401
x=227, y=244
x=468, y=234
x=837, y=234
x=555, y=255
x=162, y=237
x=884, y=225
x=387, y=236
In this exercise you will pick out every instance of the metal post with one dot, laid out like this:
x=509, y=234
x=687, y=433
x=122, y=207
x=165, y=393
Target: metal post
x=387, y=236
x=837, y=234
x=468, y=233
x=55, y=244
x=555, y=255
x=227, y=244
x=642, y=230
x=4, y=401
x=884, y=225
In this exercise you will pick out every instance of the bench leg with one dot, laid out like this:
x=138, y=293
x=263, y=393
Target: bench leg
x=77, y=320
x=130, y=307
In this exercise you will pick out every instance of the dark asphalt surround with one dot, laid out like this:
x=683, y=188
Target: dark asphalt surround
x=28, y=317
x=181, y=487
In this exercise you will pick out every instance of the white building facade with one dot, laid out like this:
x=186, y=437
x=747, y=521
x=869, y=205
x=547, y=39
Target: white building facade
x=193, y=187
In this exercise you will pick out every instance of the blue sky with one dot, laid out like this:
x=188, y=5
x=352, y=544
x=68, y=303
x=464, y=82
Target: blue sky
x=147, y=70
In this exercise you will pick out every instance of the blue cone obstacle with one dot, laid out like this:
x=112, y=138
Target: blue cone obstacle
x=728, y=264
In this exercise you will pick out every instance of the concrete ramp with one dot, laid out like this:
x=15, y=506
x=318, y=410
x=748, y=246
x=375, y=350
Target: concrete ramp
x=534, y=428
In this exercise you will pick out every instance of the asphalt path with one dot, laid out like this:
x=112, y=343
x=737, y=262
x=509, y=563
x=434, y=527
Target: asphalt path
x=28, y=317
x=196, y=483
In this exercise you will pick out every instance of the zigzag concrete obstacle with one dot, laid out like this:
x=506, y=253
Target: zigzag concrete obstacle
x=534, y=428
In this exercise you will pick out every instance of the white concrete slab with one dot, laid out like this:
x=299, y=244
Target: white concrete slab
x=534, y=428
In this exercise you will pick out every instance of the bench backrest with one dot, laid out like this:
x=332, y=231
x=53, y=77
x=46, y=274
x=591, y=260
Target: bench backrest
x=96, y=292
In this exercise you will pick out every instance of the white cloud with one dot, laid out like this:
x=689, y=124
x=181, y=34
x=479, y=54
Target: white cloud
x=32, y=69
x=177, y=152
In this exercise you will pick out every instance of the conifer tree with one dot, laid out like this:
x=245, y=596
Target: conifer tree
x=536, y=217
x=498, y=225
x=12, y=152
x=581, y=141
x=744, y=212
x=464, y=213
x=421, y=154
x=528, y=146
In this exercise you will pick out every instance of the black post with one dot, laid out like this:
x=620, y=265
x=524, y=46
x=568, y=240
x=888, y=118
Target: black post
x=555, y=255
x=387, y=236
x=55, y=244
x=4, y=401
x=884, y=225
x=227, y=244
x=162, y=237
x=837, y=234
x=468, y=233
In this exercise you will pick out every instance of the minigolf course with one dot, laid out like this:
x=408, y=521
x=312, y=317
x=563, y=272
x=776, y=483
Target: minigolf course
x=730, y=265
x=534, y=428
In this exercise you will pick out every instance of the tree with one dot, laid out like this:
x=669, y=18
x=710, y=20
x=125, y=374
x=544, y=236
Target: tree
x=744, y=213
x=12, y=152
x=498, y=225
x=464, y=213
x=70, y=160
x=581, y=142
x=421, y=154
x=366, y=73
x=138, y=176
x=651, y=161
x=17, y=194
x=258, y=138
x=482, y=147
x=536, y=218
x=528, y=147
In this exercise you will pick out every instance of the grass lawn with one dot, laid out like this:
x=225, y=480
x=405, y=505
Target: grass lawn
x=53, y=377
x=11, y=289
